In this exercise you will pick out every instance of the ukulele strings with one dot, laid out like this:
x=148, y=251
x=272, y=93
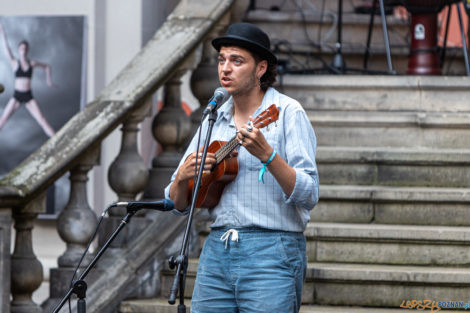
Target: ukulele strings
x=226, y=149
x=233, y=143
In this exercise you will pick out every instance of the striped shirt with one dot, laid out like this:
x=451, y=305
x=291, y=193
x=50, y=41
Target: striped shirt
x=247, y=202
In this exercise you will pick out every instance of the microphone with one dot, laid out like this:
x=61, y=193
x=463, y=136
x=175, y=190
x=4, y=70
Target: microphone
x=220, y=96
x=159, y=205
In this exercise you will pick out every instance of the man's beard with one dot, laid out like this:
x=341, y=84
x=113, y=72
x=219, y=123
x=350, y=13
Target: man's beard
x=248, y=86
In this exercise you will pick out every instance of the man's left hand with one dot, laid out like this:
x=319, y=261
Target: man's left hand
x=254, y=141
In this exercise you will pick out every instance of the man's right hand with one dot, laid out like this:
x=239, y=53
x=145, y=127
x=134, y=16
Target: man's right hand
x=186, y=171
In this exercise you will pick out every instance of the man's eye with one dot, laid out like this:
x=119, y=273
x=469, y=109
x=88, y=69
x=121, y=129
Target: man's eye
x=238, y=62
x=221, y=60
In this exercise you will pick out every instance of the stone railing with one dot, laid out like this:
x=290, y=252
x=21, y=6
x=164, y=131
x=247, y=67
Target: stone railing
x=76, y=148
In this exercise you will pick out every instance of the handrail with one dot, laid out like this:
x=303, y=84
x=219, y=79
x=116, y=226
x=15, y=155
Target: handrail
x=183, y=30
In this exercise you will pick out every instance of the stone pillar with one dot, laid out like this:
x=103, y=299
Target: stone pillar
x=127, y=176
x=171, y=128
x=205, y=79
x=26, y=270
x=75, y=225
x=5, y=266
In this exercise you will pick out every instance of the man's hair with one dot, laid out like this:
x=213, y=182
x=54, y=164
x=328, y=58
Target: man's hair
x=269, y=77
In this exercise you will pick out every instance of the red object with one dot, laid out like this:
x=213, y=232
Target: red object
x=423, y=58
x=226, y=169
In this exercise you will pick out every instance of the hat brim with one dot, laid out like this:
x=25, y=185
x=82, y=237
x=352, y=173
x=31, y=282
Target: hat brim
x=231, y=40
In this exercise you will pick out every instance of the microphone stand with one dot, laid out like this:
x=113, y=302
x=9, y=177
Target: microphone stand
x=181, y=261
x=79, y=286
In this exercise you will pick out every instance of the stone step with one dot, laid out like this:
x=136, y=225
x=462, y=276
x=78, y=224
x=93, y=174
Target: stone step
x=394, y=166
x=366, y=284
x=393, y=205
x=303, y=38
x=309, y=27
x=383, y=285
x=161, y=306
x=388, y=244
x=311, y=5
x=305, y=43
x=357, y=93
x=391, y=129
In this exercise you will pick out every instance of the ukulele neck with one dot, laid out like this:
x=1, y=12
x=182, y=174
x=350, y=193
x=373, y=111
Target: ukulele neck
x=223, y=152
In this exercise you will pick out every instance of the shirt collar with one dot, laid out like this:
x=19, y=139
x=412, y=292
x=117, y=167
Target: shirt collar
x=271, y=96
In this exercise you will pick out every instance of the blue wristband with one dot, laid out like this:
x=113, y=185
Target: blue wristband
x=263, y=169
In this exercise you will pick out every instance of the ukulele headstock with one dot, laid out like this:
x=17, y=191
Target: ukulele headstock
x=267, y=117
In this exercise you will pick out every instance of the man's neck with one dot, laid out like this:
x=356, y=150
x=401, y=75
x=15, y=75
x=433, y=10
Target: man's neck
x=246, y=104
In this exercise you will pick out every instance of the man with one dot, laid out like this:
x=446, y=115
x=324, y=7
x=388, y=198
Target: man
x=254, y=257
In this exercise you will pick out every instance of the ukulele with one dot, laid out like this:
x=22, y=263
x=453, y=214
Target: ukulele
x=226, y=167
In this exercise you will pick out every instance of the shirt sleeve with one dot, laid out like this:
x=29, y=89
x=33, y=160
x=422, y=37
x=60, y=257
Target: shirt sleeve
x=191, y=148
x=300, y=153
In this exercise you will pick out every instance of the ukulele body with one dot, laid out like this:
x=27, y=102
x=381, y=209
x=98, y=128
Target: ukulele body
x=213, y=184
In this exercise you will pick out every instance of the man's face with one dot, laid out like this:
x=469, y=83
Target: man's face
x=238, y=70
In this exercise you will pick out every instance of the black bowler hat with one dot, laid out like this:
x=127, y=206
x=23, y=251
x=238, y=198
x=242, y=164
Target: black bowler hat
x=247, y=36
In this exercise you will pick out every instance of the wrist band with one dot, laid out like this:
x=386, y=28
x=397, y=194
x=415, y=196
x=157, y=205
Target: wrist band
x=263, y=169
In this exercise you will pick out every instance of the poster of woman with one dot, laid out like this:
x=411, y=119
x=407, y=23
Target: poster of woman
x=43, y=70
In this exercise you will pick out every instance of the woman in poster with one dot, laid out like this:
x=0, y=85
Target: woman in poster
x=23, y=69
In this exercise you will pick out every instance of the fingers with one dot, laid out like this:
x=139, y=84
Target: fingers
x=208, y=164
x=247, y=134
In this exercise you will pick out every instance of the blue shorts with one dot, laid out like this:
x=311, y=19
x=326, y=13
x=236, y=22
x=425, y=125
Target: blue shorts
x=263, y=272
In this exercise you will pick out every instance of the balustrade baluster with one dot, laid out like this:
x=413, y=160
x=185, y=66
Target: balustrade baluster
x=205, y=79
x=75, y=225
x=128, y=176
x=171, y=128
x=26, y=270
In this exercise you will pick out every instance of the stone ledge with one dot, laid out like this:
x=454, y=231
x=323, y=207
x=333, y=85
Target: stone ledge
x=389, y=155
x=379, y=93
x=346, y=118
x=395, y=194
x=388, y=273
x=292, y=17
x=381, y=232
x=162, y=306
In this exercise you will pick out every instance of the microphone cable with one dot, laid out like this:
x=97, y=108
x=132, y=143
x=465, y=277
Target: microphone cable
x=87, y=248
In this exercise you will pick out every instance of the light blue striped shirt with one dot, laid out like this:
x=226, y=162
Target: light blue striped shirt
x=246, y=202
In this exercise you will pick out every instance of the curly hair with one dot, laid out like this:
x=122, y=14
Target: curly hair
x=269, y=78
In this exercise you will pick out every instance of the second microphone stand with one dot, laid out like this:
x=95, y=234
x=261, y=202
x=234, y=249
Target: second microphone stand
x=181, y=261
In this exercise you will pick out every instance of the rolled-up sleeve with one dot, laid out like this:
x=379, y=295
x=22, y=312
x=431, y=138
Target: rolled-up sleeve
x=191, y=148
x=300, y=153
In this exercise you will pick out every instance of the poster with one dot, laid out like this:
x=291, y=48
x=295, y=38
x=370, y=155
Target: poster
x=46, y=98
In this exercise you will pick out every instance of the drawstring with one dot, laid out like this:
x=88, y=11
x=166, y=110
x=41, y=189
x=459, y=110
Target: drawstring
x=227, y=234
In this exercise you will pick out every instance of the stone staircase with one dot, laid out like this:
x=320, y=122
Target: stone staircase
x=304, y=34
x=393, y=221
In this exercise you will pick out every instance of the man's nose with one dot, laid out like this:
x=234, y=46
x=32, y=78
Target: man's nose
x=226, y=67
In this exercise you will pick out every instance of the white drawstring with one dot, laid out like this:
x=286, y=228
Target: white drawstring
x=227, y=234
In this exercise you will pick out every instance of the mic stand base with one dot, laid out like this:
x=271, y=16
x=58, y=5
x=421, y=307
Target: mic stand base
x=79, y=287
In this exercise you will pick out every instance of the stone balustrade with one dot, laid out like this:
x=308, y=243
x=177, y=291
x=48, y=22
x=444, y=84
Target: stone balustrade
x=75, y=149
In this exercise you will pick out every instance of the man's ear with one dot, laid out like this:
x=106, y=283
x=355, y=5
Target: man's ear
x=262, y=68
